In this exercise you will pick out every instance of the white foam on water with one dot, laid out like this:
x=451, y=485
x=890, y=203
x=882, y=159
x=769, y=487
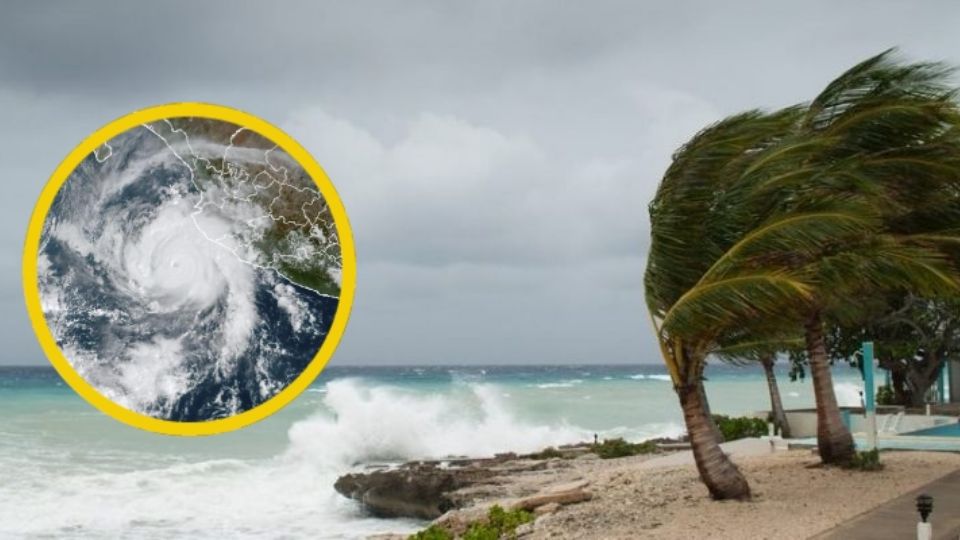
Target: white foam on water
x=561, y=384
x=651, y=377
x=290, y=495
x=206, y=500
x=381, y=423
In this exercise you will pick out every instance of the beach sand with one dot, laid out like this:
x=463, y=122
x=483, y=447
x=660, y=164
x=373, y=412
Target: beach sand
x=794, y=497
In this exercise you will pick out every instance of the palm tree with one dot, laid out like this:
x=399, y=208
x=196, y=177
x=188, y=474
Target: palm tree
x=884, y=133
x=746, y=259
x=764, y=352
x=765, y=218
x=776, y=404
x=709, y=274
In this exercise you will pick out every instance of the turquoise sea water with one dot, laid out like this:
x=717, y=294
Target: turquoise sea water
x=66, y=470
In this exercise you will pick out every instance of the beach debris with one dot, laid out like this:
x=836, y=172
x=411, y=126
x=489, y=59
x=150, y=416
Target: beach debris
x=548, y=508
x=561, y=494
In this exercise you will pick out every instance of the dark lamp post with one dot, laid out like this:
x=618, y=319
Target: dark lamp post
x=924, y=506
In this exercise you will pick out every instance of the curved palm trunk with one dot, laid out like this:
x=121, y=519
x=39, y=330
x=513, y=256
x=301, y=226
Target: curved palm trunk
x=776, y=405
x=833, y=438
x=709, y=414
x=723, y=479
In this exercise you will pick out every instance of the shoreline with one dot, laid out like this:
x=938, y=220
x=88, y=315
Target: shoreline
x=660, y=495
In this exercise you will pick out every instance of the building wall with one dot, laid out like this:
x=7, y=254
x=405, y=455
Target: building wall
x=803, y=423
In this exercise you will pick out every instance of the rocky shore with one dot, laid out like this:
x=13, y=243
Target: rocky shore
x=430, y=489
x=454, y=493
x=655, y=495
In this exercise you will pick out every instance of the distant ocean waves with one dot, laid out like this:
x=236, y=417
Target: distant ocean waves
x=573, y=382
x=651, y=377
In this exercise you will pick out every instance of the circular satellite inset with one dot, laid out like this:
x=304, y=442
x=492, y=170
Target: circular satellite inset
x=189, y=269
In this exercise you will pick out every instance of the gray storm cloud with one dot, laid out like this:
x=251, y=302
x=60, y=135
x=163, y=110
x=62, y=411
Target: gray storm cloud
x=496, y=158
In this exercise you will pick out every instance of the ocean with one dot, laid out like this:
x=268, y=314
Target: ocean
x=68, y=471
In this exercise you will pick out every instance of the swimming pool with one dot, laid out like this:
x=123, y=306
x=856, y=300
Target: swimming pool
x=931, y=443
x=946, y=430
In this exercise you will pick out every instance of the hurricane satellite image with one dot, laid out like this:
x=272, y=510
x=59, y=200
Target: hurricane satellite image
x=189, y=269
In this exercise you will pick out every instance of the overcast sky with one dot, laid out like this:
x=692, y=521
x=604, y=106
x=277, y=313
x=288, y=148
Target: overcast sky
x=495, y=158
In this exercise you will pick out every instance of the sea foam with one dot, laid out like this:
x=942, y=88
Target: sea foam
x=381, y=423
x=288, y=495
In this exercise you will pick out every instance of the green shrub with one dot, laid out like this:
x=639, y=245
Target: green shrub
x=741, y=427
x=508, y=521
x=498, y=524
x=614, y=448
x=480, y=531
x=868, y=460
x=432, y=532
x=548, y=453
x=885, y=396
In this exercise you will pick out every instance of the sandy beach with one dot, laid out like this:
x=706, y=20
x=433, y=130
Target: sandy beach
x=793, y=497
x=661, y=496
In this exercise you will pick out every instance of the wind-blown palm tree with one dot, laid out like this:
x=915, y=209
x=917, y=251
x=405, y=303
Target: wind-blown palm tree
x=766, y=218
x=743, y=286
x=884, y=133
x=708, y=272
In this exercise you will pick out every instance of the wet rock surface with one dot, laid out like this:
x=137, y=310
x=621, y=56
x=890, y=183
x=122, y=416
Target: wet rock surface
x=419, y=490
x=429, y=489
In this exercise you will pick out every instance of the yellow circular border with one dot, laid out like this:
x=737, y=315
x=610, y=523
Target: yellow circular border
x=32, y=291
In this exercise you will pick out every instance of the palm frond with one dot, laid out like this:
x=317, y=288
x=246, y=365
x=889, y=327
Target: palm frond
x=712, y=307
x=884, y=264
x=682, y=244
x=764, y=215
x=881, y=78
x=752, y=350
x=801, y=235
